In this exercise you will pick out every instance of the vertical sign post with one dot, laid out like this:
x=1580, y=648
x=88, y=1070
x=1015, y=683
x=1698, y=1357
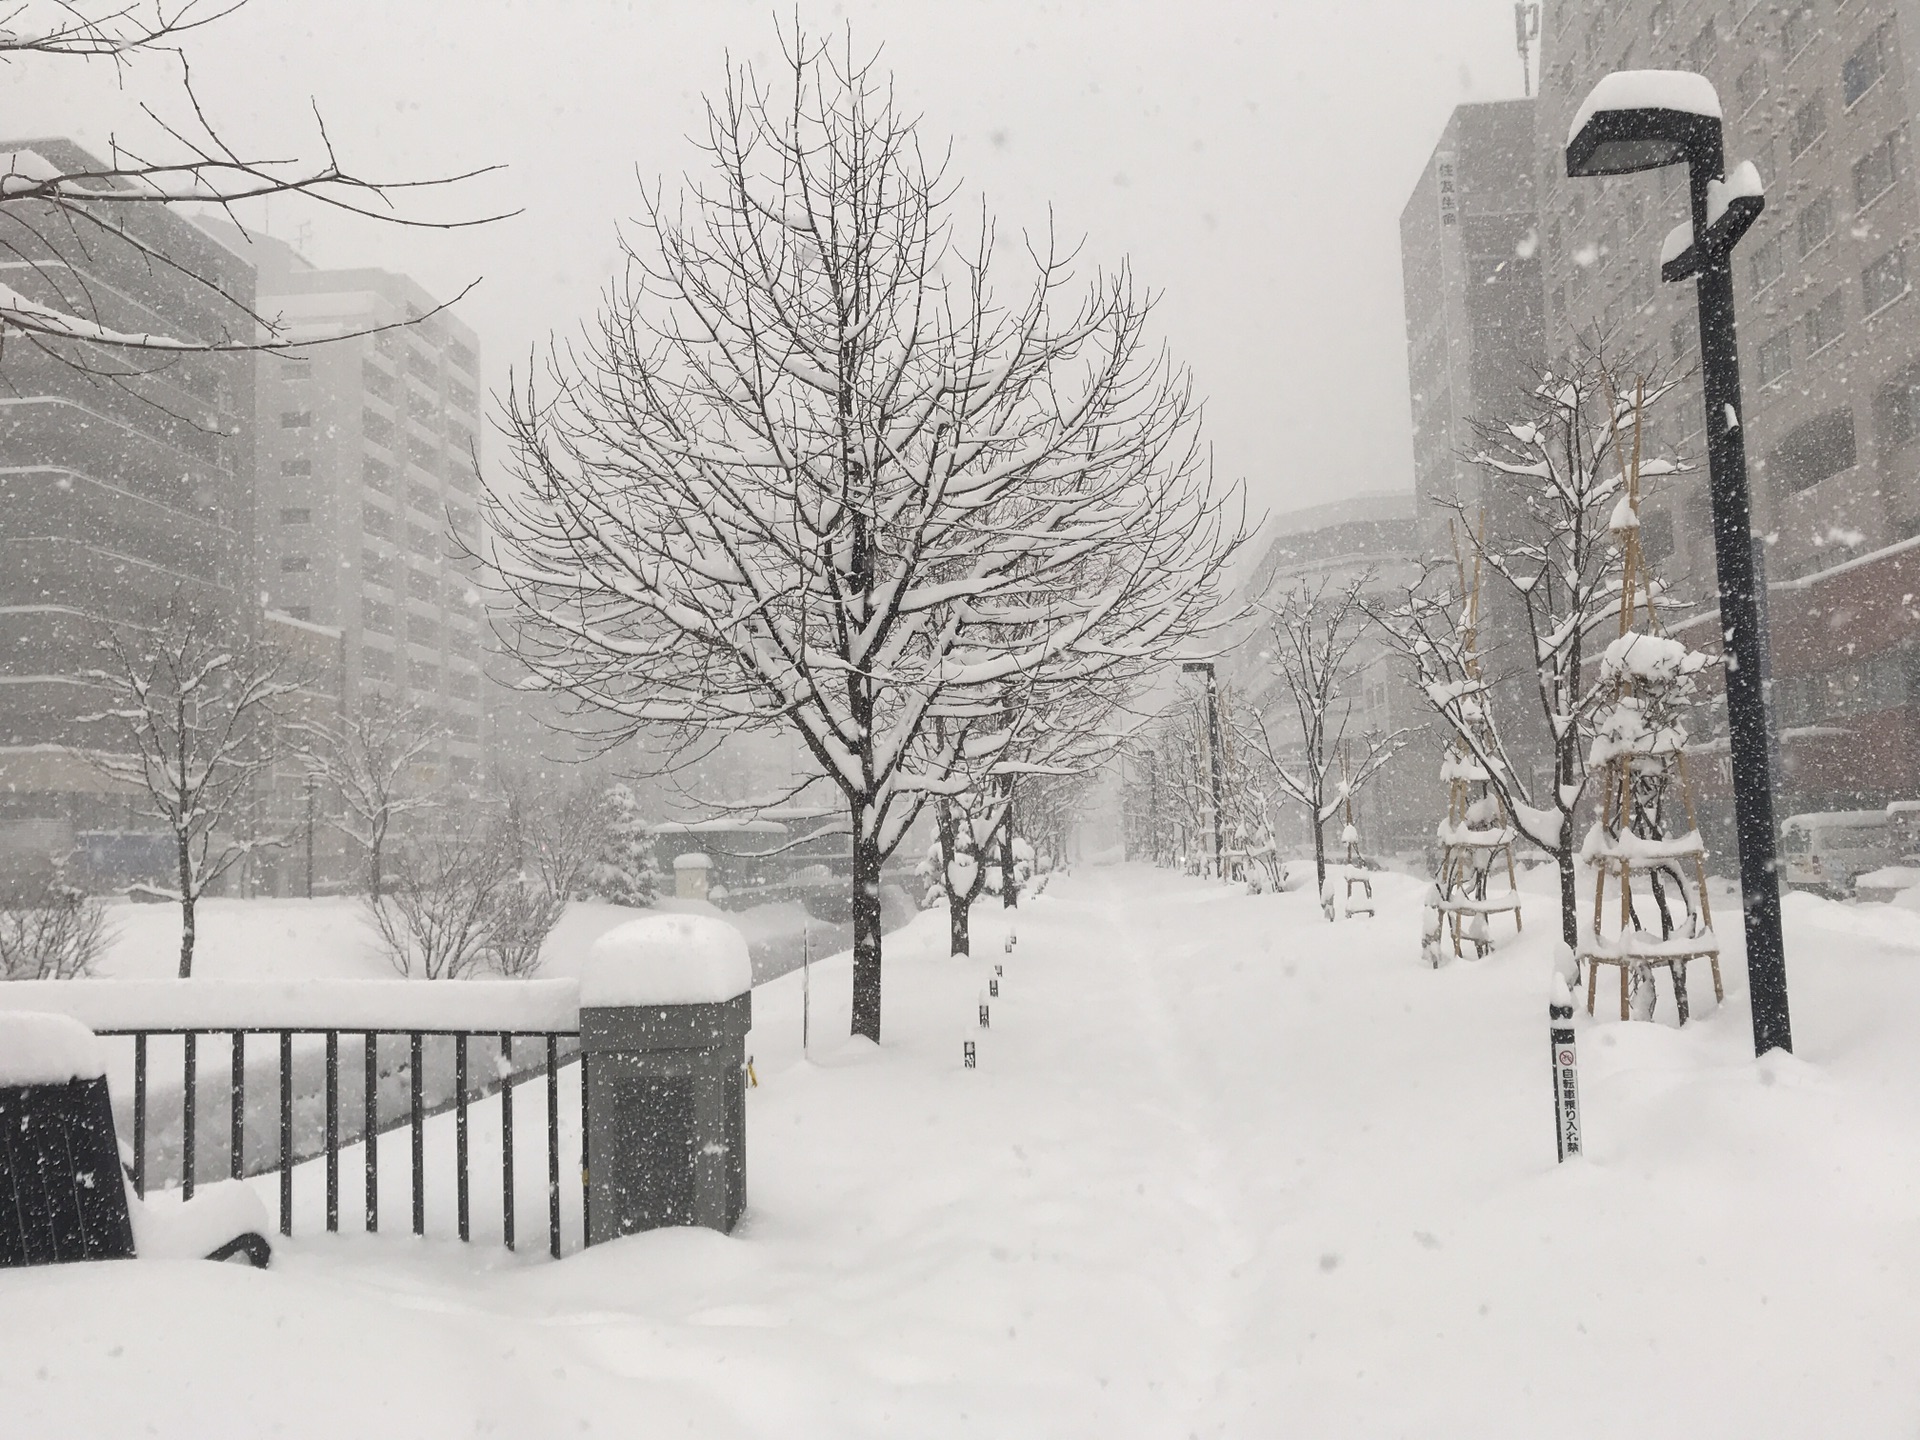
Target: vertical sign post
x=1566, y=1072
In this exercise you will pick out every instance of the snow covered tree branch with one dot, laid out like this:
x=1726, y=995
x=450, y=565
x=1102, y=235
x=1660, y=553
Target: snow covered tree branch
x=811, y=469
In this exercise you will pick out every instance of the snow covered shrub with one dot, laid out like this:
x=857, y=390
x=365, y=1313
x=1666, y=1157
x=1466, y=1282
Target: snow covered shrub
x=57, y=934
x=625, y=869
x=437, y=919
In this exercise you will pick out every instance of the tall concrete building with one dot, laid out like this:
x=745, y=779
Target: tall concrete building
x=1822, y=97
x=125, y=477
x=1469, y=248
x=366, y=457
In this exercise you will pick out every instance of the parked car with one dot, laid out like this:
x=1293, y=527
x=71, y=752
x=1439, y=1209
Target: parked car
x=1827, y=850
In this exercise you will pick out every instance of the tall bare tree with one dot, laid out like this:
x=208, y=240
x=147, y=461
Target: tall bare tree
x=187, y=716
x=811, y=470
x=1567, y=456
x=1311, y=635
x=368, y=759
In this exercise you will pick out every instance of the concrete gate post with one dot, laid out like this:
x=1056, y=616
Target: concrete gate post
x=665, y=1006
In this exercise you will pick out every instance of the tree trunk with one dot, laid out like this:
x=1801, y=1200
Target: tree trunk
x=959, y=907
x=866, y=932
x=373, y=872
x=1009, y=892
x=186, y=909
x=1320, y=855
x=1569, y=899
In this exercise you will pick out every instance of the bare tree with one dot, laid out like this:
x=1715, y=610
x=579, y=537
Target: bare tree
x=811, y=471
x=443, y=910
x=187, y=714
x=1561, y=570
x=1310, y=639
x=59, y=933
x=369, y=760
x=52, y=211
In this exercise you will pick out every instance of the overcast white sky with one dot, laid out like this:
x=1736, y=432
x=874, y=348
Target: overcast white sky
x=1251, y=159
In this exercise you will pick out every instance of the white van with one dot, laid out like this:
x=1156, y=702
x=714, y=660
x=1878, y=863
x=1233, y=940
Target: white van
x=1827, y=849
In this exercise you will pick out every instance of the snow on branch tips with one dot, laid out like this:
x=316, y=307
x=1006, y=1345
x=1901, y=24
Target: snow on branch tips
x=825, y=466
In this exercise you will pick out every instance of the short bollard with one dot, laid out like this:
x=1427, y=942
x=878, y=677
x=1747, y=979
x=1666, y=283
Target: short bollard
x=1566, y=1079
x=968, y=1054
x=664, y=1009
x=993, y=987
x=999, y=969
x=983, y=1015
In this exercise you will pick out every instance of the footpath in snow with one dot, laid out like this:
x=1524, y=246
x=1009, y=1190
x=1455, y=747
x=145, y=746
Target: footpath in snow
x=1224, y=1169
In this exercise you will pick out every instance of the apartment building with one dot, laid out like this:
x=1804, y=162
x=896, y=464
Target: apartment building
x=1469, y=247
x=126, y=477
x=1821, y=95
x=367, y=456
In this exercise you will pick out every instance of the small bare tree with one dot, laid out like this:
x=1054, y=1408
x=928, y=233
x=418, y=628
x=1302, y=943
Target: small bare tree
x=1561, y=569
x=367, y=759
x=58, y=934
x=442, y=913
x=813, y=472
x=1311, y=635
x=188, y=710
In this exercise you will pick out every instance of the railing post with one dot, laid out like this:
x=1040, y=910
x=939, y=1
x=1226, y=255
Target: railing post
x=418, y=1116
x=190, y=1092
x=333, y=1130
x=370, y=1112
x=237, y=1131
x=140, y=1115
x=461, y=1189
x=286, y=1132
x=665, y=1007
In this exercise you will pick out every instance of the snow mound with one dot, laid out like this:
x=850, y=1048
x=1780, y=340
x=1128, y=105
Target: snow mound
x=667, y=960
x=1647, y=90
x=37, y=1049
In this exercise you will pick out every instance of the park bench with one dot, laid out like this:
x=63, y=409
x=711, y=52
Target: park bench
x=64, y=1192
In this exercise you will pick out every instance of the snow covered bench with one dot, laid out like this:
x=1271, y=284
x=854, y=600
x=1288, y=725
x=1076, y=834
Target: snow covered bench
x=63, y=1192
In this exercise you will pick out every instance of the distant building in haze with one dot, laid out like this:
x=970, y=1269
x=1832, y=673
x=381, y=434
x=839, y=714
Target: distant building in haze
x=126, y=477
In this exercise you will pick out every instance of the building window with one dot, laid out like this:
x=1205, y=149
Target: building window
x=1684, y=335
x=377, y=663
x=421, y=586
x=1875, y=171
x=298, y=612
x=1797, y=31
x=1863, y=68
x=1703, y=50
x=295, y=419
x=296, y=516
x=424, y=677
x=1826, y=322
x=463, y=397
x=376, y=521
x=377, y=382
x=424, y=498
x=422, y=631
x=1884, y=281
x=1822, y=447
x=379, y=429
x=1768, y=262
x=1815, y=224
x=1776, y=358
x=292, y=564
x=463, y=356
x=377, y=473
x=1897, y=412
x=376, y=615
x=296, y=467
x=1750, y=85
x=423, y=453
x=466, y=687
x=377, y=569
x=1809, y=124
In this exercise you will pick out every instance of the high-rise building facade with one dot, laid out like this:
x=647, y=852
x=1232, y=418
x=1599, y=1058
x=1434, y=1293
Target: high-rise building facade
x=367, y=455
x=1818, y=94
x=126, y=478
x=1469, y=247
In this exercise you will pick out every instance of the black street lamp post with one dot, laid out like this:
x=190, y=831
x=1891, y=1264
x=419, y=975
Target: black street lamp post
x=1213, y=758
x=1645, y=120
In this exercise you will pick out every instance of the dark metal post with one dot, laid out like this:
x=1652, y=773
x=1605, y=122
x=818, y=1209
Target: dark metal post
x=461, y=1196
x=370, y=1118
x=417, y=1115
x=1213, y=761
x=553, y=1147
x=237, y=1129
x=189, y=1098
x=286, y=1132
x=506, y=1139
x=333, y=1130
x=140, y=1116
x=1741, y=625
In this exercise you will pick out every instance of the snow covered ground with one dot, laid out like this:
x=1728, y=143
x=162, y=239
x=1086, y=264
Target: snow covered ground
x=1224, y=1169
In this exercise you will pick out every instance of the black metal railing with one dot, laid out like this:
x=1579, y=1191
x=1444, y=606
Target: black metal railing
x=554, y=1050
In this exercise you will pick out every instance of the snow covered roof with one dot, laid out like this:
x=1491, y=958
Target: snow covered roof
x=1680, y=90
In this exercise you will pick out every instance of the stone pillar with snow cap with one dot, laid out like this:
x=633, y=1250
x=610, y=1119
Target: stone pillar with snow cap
x=665, y=1005
x=691, y=874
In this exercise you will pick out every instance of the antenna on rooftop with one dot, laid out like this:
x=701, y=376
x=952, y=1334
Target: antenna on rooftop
x=1526, y=30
